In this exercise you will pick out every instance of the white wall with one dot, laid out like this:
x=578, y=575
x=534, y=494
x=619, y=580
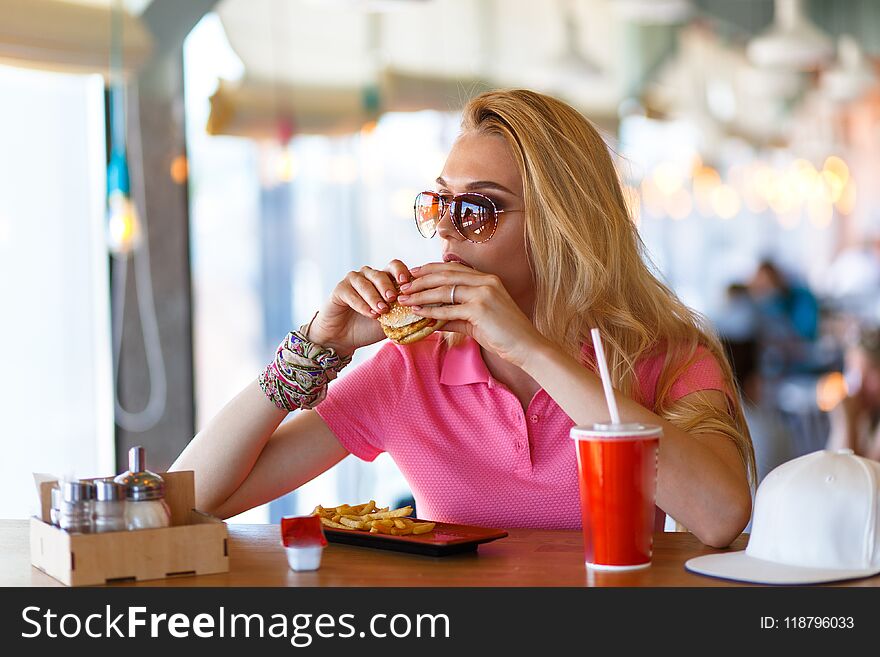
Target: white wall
x=56, y=404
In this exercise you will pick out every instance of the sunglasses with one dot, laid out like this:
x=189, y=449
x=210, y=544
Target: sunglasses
x=474, y=216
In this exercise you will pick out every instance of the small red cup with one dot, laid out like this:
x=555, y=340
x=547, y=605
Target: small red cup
x=617, y=474
x=304, y=541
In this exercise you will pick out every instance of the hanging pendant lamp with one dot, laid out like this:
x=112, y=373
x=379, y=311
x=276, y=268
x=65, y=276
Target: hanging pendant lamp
x=793, y=42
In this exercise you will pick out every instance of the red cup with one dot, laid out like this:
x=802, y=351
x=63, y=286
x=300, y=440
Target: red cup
x=617, y=473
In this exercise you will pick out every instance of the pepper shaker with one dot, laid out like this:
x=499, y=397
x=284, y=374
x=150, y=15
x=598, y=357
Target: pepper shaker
x=145, y=506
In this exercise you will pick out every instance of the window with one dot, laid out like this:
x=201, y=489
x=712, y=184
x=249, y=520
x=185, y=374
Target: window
x=55, y=362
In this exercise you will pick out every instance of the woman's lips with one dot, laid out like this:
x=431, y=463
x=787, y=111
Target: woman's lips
x=454, y=258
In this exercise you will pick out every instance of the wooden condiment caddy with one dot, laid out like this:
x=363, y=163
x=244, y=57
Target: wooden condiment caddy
x=194, y=544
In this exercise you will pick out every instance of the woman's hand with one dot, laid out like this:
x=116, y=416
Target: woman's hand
x=347, y=320
x=483, y=308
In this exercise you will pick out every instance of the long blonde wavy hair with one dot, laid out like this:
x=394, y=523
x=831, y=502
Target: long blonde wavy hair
x=589, y=263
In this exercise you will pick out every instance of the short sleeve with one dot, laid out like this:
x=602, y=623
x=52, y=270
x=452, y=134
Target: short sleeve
x=703, y=374
x=360, y=400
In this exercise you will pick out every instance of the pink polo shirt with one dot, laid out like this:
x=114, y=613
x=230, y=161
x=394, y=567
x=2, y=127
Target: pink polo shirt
x=460, y=437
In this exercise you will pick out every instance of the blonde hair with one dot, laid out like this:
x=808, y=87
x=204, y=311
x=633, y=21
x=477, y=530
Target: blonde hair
x=588, y=261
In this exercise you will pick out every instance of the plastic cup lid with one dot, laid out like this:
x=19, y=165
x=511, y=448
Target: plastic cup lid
x=604, y=431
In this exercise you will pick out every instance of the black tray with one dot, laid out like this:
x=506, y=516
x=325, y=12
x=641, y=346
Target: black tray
x=445, y=539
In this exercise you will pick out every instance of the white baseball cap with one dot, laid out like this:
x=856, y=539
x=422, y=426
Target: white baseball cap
x=817, y=519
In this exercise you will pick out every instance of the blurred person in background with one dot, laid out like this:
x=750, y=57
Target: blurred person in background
x=738, y=319
x=537, y=248
x=791, y=306
x=855, y=421
x=789, y=320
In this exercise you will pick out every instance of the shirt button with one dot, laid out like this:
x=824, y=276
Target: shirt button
x=534, y=418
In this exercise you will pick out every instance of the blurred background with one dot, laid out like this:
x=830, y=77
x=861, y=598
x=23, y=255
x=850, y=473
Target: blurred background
x=181, y=183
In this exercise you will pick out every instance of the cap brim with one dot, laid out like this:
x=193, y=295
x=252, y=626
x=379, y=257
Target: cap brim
x=740, y=567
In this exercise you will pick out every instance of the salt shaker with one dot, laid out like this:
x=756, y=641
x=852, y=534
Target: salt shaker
x=145, y=506
x=75, y=511
x=109, y=506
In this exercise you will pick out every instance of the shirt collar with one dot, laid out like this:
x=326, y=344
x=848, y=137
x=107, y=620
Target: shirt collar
x=463, y=364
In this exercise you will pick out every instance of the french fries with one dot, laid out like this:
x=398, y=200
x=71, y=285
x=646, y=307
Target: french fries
x=367, y=517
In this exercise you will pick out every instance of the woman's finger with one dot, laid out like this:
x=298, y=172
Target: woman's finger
x=368, y=292
x=399, y=271
x=448, y=312
x=442, y=294
x=354, y=300
x=382, y=281
x=454, y=277
x=434, y=267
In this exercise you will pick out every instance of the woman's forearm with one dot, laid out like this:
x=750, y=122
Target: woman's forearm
x=700, y=482
x=224, y=453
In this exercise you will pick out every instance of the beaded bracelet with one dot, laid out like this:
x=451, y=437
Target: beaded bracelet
x=298, y=375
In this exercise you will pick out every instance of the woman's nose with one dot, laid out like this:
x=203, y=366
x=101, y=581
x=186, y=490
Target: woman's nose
x=445, y=228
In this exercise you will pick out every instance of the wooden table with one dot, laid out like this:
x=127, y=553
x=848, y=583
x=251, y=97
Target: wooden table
x=527, y=557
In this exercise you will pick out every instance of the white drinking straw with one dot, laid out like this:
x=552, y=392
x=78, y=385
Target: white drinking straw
x=606, y=377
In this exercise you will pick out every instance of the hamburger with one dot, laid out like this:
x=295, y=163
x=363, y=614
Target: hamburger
x=403, y=326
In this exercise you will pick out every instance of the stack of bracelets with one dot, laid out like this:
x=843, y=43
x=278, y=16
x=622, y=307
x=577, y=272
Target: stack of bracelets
x=298, y=375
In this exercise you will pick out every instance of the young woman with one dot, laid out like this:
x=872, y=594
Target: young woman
x=537, y=248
